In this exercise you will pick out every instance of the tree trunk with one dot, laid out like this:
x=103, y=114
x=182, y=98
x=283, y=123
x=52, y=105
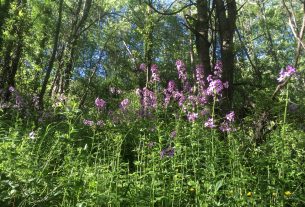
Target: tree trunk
x=52, y=59
x=148, y=43
x=202, y=36
x=4, y=9
x=76, y=32
x=13, y=53
x=227, y=25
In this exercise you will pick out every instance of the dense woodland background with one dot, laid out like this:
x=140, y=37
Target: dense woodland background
x=152, y=103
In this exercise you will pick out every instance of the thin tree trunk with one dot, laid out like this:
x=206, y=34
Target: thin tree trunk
x=4, y=9
x=15, y=64
x=84, y=97
x=148, y=43
x=55, y=85
x=76, y=32
x=52, y=59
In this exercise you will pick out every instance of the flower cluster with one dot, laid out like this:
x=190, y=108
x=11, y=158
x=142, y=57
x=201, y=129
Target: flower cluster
x=11, y=89
x=181, y=70
x=88, y=122
x=191, y=116
x=171, y=87
x=124, y=104
x=218, y=69
x=210, y=123
x=226, y=125
x=182, y=75
x=199, y=76
x=285, y=73
x=100, y=103
x=215, y=87
x=168, y=152
x=149, y=99
x=155, y=77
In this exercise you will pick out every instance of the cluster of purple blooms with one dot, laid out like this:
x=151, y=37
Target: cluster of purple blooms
x=182, y=75
x=226, y=125
x=124, y=104
x=155, y=77
x=200, y=77
x=286, y=73
x=148, y=98
x=100, y=103
x=167, y=152
x=188, y=99
x=99, y=123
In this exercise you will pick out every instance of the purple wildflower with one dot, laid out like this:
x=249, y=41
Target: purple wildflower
x=192, y=116
x=218, y=69
x=149, y=99
x=100, y=123
x=230, y=116
x=215, y=86
x=224, y=127
x=167, y=100
x=171, y=86
x=11, y=89
x=200, y=76
x=202, y=100
x=88, y=122
x=187, y=86
x=181, y=70
x=100, y=103
x=124, y=104
x=287, y=72
x=155, y=77
x=169, y=152
x=181, y=100
x=209, y=78
x=210, y=123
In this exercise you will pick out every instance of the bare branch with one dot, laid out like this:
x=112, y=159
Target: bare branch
x=167, y=12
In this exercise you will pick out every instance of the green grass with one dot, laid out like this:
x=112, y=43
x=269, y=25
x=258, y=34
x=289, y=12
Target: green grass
x=70, y=164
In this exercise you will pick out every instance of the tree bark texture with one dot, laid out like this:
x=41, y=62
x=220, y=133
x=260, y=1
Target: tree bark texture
x=226, y=15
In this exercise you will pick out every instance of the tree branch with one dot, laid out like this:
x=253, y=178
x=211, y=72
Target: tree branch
x=166, y=12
